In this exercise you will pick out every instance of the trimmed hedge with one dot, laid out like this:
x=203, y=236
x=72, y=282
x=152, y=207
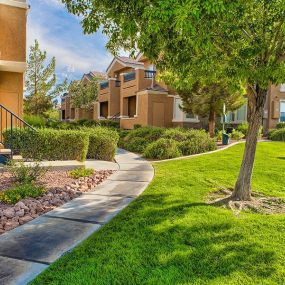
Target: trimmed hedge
x=163, y=143
x=277, y=135
x=49, y=144
x=162, y=149
x=102, y=143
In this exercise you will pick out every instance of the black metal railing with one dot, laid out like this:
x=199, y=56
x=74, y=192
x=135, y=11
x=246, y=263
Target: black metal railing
x=117, y=83
x=104, y=85
x=149, y=73
x=9, y=122
x=129, y=76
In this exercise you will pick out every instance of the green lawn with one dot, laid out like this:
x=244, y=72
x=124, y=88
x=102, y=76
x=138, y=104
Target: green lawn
x=170, y=236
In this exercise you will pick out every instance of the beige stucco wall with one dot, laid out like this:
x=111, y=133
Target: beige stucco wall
x=11, y=93
x=12, y=33
x=273, y=106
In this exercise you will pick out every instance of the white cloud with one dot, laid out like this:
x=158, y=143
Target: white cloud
x=71, y=57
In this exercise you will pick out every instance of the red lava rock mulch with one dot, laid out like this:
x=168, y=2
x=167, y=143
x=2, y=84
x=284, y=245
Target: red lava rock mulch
x=60, y=188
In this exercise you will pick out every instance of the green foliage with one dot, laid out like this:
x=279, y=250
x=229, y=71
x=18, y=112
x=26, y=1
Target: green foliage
x=41, y=80
x=36, y=121
x=277, y=135
x=49, y=144
x=237, y=135
x=84, y=94
x=189, y=141
x=21, y=191
x=137, y=139
x=102, y=143
x=280, y=125
x=171, y=235
x=162, y=149
x=25, y=173
x=110, y=124
x=136, y=126
x=243, y=128
x=81, y=172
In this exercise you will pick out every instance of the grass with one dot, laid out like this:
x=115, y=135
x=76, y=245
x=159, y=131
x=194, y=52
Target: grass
x=170, y=236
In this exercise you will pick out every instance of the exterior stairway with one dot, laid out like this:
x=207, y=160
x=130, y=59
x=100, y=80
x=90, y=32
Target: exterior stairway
x=8, y=122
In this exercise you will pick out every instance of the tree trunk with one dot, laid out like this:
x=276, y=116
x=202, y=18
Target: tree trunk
x=212, y=123
x=256, y=102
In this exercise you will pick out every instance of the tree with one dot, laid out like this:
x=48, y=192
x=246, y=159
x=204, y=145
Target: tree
x=191, y=36
x=206, y=99
x=41, y=87
x=84, y=94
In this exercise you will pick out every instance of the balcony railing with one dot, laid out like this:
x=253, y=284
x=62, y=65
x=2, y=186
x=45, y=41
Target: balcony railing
x=104, y=85
x=118, y=83
x=149, y=73
x=129, y=76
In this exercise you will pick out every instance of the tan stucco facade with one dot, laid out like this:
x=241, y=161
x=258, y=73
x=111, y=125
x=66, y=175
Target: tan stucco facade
x=13, y=17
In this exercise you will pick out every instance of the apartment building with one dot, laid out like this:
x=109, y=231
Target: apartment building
x=13, y=16
x=132, y=95
x=68, y=112
x=274, y=110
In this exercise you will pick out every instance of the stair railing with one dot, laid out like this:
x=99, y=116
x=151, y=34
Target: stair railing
x=8, y=122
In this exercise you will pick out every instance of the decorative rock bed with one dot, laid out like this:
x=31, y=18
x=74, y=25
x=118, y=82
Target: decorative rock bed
x=60, y=188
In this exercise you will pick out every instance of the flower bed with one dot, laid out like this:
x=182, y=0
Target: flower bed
x=59, y=189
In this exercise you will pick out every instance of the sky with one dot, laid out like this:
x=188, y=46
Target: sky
x=60, y=34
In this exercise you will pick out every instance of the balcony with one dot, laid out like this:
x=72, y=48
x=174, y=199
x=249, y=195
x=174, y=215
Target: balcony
x=149, y=74
x=129, y=76
x=104, y=85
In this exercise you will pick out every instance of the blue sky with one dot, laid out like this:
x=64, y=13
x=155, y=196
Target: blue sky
x=61, y=35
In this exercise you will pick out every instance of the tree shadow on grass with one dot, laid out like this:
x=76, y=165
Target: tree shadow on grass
x=203, y=250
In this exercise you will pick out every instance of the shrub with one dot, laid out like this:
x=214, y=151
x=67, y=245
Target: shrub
x=137, y=126
x=22, y=191
x=219, y=136
x=131, y=142
x=280, y=125
x=176, y=134
x=25, y=173
x=49, y=144
x=35, y=121
x=244, y=127
x=195, y=146
x=84, y=123
x=162, y=149
x=277, y=135
x=110, y=124
x=102, y=143
x=81, y=172
x=237, y=135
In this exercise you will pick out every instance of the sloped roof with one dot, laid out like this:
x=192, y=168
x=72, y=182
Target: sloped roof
x=93, y=74
x=124, y=61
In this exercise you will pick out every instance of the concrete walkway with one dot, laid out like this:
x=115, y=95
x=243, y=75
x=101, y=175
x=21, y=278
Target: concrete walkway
x=29, y=249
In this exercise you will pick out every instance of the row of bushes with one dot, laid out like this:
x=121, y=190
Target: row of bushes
x=41, y=122
x=161, y=143
x=49, y=144
x=277, y=135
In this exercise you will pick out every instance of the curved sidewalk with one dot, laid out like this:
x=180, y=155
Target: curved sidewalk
x=29, y=249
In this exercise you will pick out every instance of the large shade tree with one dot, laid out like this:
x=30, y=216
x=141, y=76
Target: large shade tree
x=247, y=35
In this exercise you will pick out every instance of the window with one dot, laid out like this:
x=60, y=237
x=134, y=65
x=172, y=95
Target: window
x=180, y=116
x=190, y=116
x=237, y=116
x=282, y=88
x=282, y=111
x=151, y=67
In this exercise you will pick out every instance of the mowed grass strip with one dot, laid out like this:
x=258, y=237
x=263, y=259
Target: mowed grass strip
x=169, y=235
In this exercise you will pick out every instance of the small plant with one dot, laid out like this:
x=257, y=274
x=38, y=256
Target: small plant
x=23, y=173
x=21, y=191
x=81, y=172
